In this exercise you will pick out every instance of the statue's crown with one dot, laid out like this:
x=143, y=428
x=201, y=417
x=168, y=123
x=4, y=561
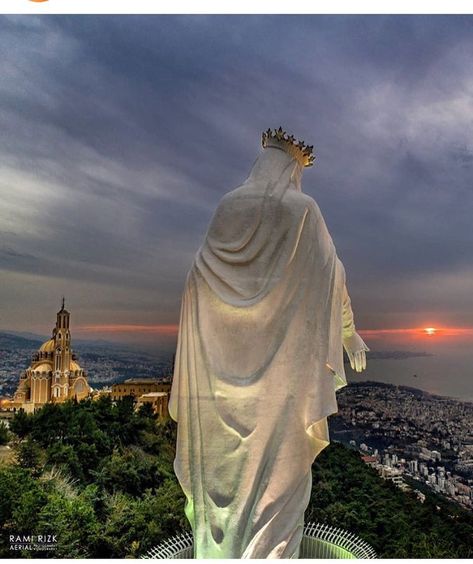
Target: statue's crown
x=298, y=149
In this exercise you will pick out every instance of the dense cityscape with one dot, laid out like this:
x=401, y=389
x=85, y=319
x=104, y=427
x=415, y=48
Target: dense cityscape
x=413, y=438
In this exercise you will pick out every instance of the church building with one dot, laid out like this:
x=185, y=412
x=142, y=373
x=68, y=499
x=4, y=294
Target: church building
x=54, y=374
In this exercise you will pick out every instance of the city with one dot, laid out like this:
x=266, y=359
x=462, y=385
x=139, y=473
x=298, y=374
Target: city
x=411, y=437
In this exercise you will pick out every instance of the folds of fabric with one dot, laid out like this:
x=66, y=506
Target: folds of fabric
x=258, y=362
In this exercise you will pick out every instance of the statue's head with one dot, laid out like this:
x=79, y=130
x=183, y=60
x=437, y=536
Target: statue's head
x=304, y=154
x=281, y=162
x=301, y=153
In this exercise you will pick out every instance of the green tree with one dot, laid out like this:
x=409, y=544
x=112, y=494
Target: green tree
x=65, y=456
x=30, y=456
x=146, y=410
x=132, y=471
x=4, y=434
x=21, y=498
x=69, y=514
x=21, y=424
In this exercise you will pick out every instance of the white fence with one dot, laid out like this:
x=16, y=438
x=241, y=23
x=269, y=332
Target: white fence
x=318, y=541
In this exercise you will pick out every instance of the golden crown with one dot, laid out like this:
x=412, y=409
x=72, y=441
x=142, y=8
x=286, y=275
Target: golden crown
x=298, y=149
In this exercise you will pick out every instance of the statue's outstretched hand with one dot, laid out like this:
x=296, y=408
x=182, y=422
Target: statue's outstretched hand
x=356, y=347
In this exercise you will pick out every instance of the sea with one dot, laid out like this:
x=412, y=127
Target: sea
x=445, y=371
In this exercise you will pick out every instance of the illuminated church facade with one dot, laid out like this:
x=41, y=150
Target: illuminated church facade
x=54, y=374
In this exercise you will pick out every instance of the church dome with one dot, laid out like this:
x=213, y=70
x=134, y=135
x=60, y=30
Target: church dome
x=75, y=366
x=43, y=368
x=48, y=346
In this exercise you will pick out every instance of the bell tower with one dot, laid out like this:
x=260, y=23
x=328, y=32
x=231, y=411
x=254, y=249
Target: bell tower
x=62, y=340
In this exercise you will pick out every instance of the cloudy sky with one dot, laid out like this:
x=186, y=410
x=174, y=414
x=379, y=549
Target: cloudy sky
x=118, y=136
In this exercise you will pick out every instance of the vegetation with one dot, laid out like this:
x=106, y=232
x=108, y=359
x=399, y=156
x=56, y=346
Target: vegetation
x=100, y=477
x=4, y=434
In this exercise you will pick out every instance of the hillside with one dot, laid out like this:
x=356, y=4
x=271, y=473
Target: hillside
x=349, y=494
x=11, y=341
x=99, y=476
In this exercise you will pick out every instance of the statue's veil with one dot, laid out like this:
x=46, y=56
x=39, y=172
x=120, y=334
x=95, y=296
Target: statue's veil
x=246, y=247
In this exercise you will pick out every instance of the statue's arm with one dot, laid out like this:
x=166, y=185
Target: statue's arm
x=347, y=315
x=353, y=343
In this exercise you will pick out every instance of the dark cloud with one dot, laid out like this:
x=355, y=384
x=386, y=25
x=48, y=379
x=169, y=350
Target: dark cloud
x=120, y=134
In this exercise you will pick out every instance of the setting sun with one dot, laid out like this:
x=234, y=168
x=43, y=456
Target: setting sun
x=430, y=330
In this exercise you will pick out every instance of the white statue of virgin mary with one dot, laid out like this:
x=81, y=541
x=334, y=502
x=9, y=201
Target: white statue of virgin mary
x=265, y=315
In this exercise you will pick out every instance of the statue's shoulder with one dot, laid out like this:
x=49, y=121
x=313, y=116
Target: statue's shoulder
x=302, y=201
x=245, y=190
x=246, y=196
x=232, y=199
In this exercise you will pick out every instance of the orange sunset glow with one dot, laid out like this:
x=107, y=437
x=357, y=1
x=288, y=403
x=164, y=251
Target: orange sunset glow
x=170, y=330
x=165, y=330
x=419, y=332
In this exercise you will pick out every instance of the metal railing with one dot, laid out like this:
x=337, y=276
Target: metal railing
x=325, y=541
x=318, y=541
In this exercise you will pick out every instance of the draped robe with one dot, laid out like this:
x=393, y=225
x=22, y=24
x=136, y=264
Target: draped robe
x=258, y=362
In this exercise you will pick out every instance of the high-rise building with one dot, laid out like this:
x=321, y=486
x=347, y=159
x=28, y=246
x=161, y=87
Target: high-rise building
x=413, y=467
x=54, y=374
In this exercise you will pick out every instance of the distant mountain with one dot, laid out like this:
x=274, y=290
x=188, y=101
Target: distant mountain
x=34, y=337
x=14, y=340
x=389, y=355
x=26, y=340
x=396, y=355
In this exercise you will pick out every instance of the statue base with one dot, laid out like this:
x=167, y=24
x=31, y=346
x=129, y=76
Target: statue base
x=318, y=541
